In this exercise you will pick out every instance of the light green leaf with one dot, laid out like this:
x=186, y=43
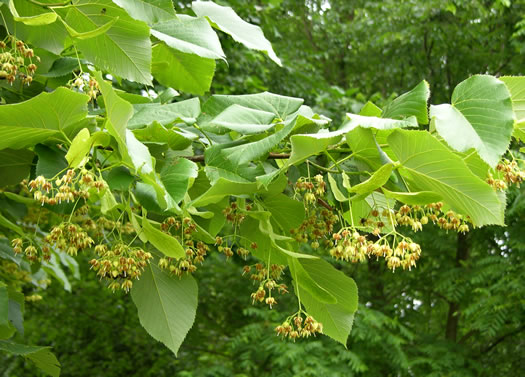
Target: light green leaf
x=80, y=147
x=226, y=20
x=41, y=356
x=337, y=318
x=4, y=222
x=371, y=110
x=150, y=11
x=412, y=103
x=338, y=195
x=242, y=119
x=413, y=198
x=36, y=20
x=304, y=146
x=166, y=305
x=157, y=133
x=354, y=121
x=54, y=269
x=364, y=148
x=91, y=33
x=286, y=212
x=16, y=309
x=479, y=117
x=221, y=188
x=14, y=165
x=124, y=49
x=46, y=116
x=433, y=167
x=176, y=175
x=107, y=202
x=162, y=241
x=165, y=114
x=194, y=73
x=191, y=35
x=378, y=179
x=516, y=87
x=51, y=161
x=306, y=283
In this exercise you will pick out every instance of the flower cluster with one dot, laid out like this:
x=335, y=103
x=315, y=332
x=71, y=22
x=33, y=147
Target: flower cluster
x=511, y=172
x=234, y=214
x=195, y=251
x=350, y=245
x=228, y=251
x=268, y=281
x=120, y=264
x=16, y=60
x=66, y=188
x=69, y=237
x=31, y=252
x=319, y=222
x=416, y=216
x=85, y=83
x=296, y=327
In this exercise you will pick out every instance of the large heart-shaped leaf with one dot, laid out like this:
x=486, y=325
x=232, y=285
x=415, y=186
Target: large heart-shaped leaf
x=150, y=11
x=480, y=117
x=41, y=356
x=412, y=103
x=516, y=86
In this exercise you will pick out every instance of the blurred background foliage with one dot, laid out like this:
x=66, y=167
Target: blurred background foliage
x=461, y=312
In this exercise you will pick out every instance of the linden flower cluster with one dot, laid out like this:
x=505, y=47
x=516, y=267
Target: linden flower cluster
x=66, y=188
x=16, y=60
x=512, y=174
x=295, y=327
x=416, y=216
x=31, y=253
x=120, y=264
x=234, y=214
x=85, y=83
x=319, y=223
x=69, y=237
x=350, y=245
x=267, y=279
x=228, y=251
x=195, y=251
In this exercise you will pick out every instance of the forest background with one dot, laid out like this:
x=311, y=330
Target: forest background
x=460, y=313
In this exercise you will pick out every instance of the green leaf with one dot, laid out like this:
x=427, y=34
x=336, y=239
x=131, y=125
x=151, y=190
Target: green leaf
x=16, y=309
x=308, y=284
x=124, y=49
x=166, y=305
x=304, y=146
x=194, y=74
x=157, y=133
x=176, y=175
x=286, y=212
x=337, y=318
x=354, y=121
x=221, y=188
x=413, y=198
x=378, y=179
x=191, y=35
x=371, y=110
x=226, y=20
x=14, y=165
x=165, y=114
x=338, y=194
x=51, y=161
x=119, y=178
x=433, y=167
x=162, y=241
x=46, y=116
x=36, y=20
x=80, y=147
x=54, y=269
x=516, y=87
x=479, y=117
x=41, y=356
x=150, y=11
x=412, y=103
x=242, y=119
x=4, y=305
x=4, y=222
x=91, y=33
x=361, y=141
x=107, y=202
x=62, y=67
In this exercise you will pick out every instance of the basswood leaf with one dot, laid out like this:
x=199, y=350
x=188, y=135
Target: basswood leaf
x=516, y=87
x=364, y=148
x=150, y=11
x=193, y=73
x=354, y=121
x=412, y=103
x=226, y=20
x=242, y=119
x=433, y=167
x=165, y=243
x=165, y=114
x=337, y=317
x=308, y=284
x=304, y=146
x=80, y=147
x=286, y=212
x=480, y=117
x=338, y=194
x=91, y=33
x=166, y=305
x=51, y=161
x=14, y=165
x=157, y=133
x=222, y=188
x=124, y=49
x=4, y=305
x=46, y=116
x=191, y=35
x=41, y=356
x=176, y=175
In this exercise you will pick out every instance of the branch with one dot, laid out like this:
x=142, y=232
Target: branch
x=502, y=338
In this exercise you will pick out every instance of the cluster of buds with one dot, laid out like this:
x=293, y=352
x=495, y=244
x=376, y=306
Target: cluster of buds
x=16, y=60
x=268, y=282
x=68, y=188
x=234, y=214
x=120, y=265
x=30, y=251
x=296, y=327
x=511, y=172
x=228, y=251
x=310, y=189
x=85, y=83
x=69, y=237
x=416, y=216
x=351, y=246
